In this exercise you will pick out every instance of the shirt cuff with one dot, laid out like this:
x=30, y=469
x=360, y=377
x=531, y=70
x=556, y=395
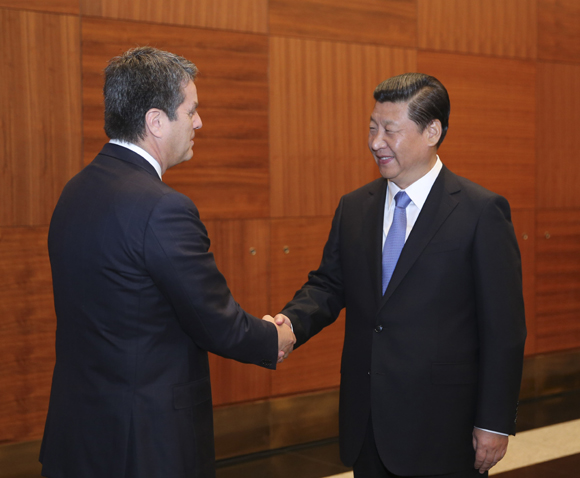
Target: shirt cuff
x=491, y=431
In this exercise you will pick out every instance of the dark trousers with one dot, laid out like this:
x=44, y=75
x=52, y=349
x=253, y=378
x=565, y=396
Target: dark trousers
x=369, y=464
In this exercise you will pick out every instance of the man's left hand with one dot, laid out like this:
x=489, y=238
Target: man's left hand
x=489, y=449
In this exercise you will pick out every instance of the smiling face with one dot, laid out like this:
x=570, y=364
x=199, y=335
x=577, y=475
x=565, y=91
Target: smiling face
x=403, y=153
x=181, y=131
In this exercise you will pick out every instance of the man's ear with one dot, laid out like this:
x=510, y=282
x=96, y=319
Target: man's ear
x=155, y=121
x=433, y=132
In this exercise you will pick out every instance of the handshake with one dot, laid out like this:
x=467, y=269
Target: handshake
x=286, y=338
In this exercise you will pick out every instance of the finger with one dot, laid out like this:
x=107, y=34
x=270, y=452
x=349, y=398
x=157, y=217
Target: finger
x=282, y=319
x=487, y=464
x=480, y=457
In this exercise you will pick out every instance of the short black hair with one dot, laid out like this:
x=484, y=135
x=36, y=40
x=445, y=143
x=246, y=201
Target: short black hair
x=428, y=99
x=138, y=80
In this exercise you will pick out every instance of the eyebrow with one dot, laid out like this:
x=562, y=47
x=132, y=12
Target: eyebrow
x=383, y=122
x=194, y=107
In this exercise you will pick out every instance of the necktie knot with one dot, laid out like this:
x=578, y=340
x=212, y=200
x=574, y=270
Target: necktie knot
x=402, y=200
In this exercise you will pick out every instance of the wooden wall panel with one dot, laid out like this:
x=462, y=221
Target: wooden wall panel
x=40, y=113
x=27, y=327
x=383, y=22
x=52, y=6
x=232, y=243
x=557, y=119
x=228, y=176
x=491, y=138
x=557, y=279
x=559, y=30
x=239, y=15
x=321, y=98
x=524, y=221
x=315, y=365
x=505, y=28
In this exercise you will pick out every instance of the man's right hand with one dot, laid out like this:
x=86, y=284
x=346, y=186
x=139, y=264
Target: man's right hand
x=286, y=338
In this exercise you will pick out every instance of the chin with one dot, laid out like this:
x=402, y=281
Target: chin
x=387, y=173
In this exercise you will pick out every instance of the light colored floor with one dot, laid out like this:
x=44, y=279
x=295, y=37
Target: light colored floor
x=541, y=444
x=534, y=446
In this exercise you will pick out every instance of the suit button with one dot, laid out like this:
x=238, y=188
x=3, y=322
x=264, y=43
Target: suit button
x=369, y=372
x=378, y=328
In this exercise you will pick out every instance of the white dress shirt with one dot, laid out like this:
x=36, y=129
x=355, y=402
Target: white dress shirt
x=417, y=192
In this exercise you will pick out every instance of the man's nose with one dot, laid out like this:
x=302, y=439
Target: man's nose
x=377, y=142
x=197, y=124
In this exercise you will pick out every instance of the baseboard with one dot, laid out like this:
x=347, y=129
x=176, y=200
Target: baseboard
x=275, y=423
x=550, y=374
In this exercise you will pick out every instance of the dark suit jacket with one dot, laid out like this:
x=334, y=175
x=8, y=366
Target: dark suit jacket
x=442, y=350
x=139, y=302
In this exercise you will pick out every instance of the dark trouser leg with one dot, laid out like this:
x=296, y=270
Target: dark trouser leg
x=369, y=464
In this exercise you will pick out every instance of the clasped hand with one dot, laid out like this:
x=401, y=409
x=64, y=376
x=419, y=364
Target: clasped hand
x=286, y=338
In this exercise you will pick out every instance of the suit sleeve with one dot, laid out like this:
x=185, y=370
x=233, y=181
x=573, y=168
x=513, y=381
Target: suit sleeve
x=500, y=316
x=176, y=251
x=320, y=300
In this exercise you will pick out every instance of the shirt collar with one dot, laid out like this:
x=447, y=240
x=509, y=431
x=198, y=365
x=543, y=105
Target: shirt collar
x=420, y=189
x=141, y=152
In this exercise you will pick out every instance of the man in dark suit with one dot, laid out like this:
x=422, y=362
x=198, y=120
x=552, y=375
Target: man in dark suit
x=139, y=300
x=428, y=268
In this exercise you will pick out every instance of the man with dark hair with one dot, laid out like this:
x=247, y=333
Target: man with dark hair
x=428, y=268
x=138, y=297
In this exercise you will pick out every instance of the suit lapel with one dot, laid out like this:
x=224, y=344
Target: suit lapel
x=439, y=204
x=373, y=223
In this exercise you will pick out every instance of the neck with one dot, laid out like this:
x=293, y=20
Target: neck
x=154, y=149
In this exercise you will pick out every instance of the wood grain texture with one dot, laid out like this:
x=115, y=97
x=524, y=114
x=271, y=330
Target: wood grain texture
x=26, y=333
x=315, y=365
x=383, y=22
x=228, y=176
x=50, y=6
x=238, y=15
x=40, y=113
x=557, y=279
x=559, y=30
x=491, y=138
x=558, y=167
x=524, y=221
x=321, y=98
x=303, y=418
x=247, y=276
x=505, y=28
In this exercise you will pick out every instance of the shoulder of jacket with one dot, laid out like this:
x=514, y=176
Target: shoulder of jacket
x=476, y=192
x=372, y=188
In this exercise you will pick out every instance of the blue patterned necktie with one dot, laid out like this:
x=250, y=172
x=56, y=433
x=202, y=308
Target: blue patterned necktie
x=395, y=238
